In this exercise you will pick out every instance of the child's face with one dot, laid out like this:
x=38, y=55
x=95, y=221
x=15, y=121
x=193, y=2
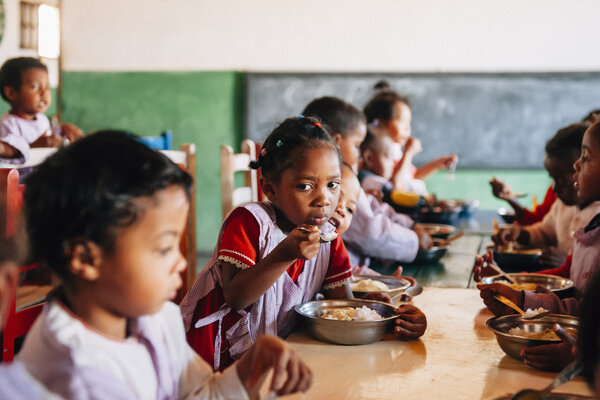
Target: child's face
x=350, y=144
x=561, y=172
x=143, y=270
x=587, y=170
x=308, y=191
x=348, y=202
x=33, y=96
x=380, y=160
x=398, y=128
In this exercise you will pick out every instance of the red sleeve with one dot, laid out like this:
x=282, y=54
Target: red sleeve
x=239, y=243
x=531, y=217
x=340, y=269
x=564, y=270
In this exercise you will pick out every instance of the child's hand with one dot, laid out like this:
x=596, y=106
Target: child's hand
x=482, y=268
x=411, y=323
x=290, y=374
x=302, y=245
x=500, y=189
x=487, y=293
x=48, y=141
x=447, y=161
x=412, y=147
x=71, y=132
x=378, y=194
x=507, y=234
x=425, y=241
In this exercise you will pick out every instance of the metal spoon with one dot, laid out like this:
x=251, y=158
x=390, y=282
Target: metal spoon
x=323, y=237
x=518, y=309
x=564, y=376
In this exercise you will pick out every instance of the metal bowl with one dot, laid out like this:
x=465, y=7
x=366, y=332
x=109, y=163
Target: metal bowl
x=512, y=344
x=507, y=216
x=396, y=284
x=438, y=215
x=515, y=261
x=440, y=231
x=555, y=283
x=347, y=332
x=426, y=256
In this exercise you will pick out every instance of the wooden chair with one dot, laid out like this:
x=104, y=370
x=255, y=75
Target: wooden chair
x=28, y=301
x=186, y=159
x=230, y=164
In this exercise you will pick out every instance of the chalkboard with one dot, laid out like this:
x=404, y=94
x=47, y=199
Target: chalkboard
x=489, y=120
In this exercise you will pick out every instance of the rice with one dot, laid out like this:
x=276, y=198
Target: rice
x=366, y=314
x=369, y=285
x=363, y=313
x=532, y=313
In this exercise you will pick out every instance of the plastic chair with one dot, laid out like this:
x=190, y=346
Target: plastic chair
x=186, y=159
x=162, y=142
x=230, y=164
x=20, y=317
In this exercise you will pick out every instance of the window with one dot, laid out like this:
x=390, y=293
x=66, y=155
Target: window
x=40, y=27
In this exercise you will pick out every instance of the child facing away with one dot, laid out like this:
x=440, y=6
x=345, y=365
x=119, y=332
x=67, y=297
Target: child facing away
x=24, y=84
x=389, y=114
x=554, y=234
x=263, y=265
x=588, y=333
x=377, y=230
x=106, y=214
x=586, y=246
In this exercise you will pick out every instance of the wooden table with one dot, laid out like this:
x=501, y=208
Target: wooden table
x=457, y=358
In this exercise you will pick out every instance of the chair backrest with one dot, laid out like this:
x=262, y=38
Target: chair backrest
x=230, y=164
x=162, y=142
x=186, y=159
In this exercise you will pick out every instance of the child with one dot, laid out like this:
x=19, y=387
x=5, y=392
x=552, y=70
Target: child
x=15, y=382
x=588, y=334
x=389, y=114
x=377, y=163
x=554, y=232
x=24, y=84
x=106, y=214
x=523, y=216
x=378, y=231
x=263, y=265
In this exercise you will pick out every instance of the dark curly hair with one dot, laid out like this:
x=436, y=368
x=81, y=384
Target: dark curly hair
x=87, y=190
x=287, y=143
x=381, y=106
x=567, y=142
x=11, y=73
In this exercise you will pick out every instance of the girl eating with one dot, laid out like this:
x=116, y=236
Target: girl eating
x=269, y=256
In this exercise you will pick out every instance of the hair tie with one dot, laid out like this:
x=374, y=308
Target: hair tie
x=317, y=124
x=279, y=143
x=300, y=116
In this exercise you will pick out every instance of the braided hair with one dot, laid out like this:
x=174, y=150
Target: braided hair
x=288, y=142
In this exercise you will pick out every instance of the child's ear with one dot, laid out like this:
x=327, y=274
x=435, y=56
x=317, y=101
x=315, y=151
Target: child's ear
x=84, y=259
x=10, y=93
x=338, y=138
x=367, y=157
x=267, y=187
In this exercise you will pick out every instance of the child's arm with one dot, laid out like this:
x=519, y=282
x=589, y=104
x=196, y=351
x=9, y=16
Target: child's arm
x=7, y=151
x=340, y=292
x=402, y=172
x=242, y=287
x=71, y=132
x=439, y=163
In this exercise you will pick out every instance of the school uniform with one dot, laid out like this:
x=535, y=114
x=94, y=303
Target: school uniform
x=20, y=132
x=153, y=362
x=17, y=384
x=584, y=263
x=249, y=233
x=377, y=231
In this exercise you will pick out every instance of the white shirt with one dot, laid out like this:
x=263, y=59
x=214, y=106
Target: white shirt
x=20, y=132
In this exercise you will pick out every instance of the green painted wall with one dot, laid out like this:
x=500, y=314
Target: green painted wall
x=205, y=108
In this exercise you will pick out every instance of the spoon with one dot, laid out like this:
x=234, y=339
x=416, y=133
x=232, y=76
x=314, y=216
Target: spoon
x=518, y=309
x=452, y=170
x=565, y=375
x=323, y=237
x=445, y=242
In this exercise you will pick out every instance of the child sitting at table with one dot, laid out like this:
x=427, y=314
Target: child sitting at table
x=377, y=230
x=389, y=114
x=523, y=216
x=24, y=84
x=588, y=346
x=568, y=213
x=269, y=256
x=106, y=214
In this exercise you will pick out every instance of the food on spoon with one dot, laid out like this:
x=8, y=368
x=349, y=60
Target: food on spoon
x=515, y=249
x=532, y=313
x=363, y=313
x=328, y=237
x=520, y=286
x=369, y=285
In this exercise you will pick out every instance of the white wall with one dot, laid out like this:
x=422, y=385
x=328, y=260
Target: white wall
x=331, y=35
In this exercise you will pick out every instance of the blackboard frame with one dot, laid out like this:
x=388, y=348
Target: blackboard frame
x=492, y=120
